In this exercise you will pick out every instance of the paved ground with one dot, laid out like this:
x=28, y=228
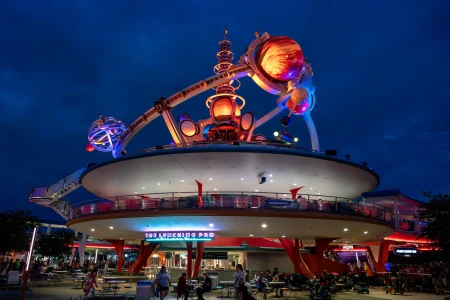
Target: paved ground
x=65, y=291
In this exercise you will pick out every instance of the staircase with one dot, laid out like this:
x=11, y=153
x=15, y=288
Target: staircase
x=53, y=196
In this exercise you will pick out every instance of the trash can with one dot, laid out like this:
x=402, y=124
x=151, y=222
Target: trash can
x=144, y=290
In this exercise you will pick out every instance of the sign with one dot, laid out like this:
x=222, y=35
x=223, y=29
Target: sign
x=211, y=255
x=347, y=247
x=184, y=235
x=278, y=202
x=405, y=251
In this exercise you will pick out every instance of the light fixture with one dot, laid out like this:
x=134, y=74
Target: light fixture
x=310, y=188
x=366, y=232
x=256, y=190
x=242, y=178
x=270, y=175
x=283, y=236
x=92, y=229
x=135, y=192
x=318, y=193
x=284, y=195
x=158, y=183
x=211, y=225
x=182, y=180
x=295, y=184
x=110, y=227
x=264, y=225
x=271, y=180
x=210, y=178
x=251, y=234
x=345, y=229
x=215, y=189
x=121, y=238
x=143, y=188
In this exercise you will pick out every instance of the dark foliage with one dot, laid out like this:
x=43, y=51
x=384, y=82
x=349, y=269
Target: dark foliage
x=436, y=215
x=55, y=244
x=16, y=228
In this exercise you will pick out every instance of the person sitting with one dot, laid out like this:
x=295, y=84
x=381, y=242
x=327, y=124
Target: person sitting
x=206, y=287
x=182, y=288
x=247, y=275
x=261, y=285
x=323, y=282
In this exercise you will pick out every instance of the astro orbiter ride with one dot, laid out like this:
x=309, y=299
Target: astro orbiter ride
x=275, y=63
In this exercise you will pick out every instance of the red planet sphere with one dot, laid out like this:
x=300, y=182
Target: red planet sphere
x=89, y=147
x=297, y=109
x=280, y=58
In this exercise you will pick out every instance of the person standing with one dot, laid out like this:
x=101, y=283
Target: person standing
x=239, y=279
x=91, y=282
x=163, y=283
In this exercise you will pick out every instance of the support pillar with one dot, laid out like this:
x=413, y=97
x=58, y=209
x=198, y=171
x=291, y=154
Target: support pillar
x=294, y=192
x=142, y=258
x=74, y=250
x=49, y=228
x=81, y=249
x=118, y=245
x=198, y=259
x=321, y=244
x=200, y=194
x=290, y=250
x=381, y=252
x=189, y=259
x=244, y=260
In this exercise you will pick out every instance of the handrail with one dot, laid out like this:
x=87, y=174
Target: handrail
x=234, y=200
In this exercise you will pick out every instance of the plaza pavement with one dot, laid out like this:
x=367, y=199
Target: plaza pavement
x=64, y=292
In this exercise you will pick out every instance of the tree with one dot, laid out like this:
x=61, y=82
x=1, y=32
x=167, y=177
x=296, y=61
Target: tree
x=56, y=244
x=436, y=216
x=16, y=228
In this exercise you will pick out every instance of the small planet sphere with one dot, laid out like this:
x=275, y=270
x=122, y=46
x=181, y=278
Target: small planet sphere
x=280, y=58
x=89, y=147
x=297, y=109
x=286, y=121
x=299, y=95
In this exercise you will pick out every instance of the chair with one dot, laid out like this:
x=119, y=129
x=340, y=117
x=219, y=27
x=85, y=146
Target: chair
x=207, y=295
x=285, y=291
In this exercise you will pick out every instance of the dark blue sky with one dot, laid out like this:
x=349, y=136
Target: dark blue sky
x=381, y=68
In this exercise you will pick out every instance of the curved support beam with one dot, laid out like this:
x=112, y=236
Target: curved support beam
x=234, y=72
x=312, y=131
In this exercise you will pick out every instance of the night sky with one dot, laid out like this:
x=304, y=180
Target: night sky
x=381, y=68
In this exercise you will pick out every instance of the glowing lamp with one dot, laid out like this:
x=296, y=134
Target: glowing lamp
x=280, y=59
x=222, y=109
x=89, y=147
x=285, y=137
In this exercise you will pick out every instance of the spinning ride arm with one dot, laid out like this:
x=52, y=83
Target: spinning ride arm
x=234, y=72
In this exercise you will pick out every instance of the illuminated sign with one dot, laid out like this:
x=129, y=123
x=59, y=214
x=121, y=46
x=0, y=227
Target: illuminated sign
x=405, y=251
x=185, y=235
x=211, y=255
x=278, y=202
x=347, y=247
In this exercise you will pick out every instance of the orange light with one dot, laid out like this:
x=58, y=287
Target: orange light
x=222, y=109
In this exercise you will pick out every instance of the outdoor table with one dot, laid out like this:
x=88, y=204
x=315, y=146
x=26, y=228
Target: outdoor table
x=116, y=284
x=277, y=285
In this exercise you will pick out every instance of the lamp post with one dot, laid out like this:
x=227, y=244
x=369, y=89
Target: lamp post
x=27, y=267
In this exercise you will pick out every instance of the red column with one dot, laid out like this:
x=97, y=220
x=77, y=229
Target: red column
x=295, y=191
x=383, y=255
x=198, y=260
x=189, y=259
x=142, y=258
x=289, y=250
x=321, y=244
x=118, y=245
x=200, y=194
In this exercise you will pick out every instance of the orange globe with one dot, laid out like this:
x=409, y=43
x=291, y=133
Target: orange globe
x=280, y=59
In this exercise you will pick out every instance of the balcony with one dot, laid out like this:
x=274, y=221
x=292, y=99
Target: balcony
x=227, y=201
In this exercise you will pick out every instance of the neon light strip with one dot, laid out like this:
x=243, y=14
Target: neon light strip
x=31, y=249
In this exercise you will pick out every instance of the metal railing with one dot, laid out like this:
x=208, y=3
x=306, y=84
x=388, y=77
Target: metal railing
x=234, y=200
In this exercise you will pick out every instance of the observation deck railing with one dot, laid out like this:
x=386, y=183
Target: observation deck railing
x=234, y=200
